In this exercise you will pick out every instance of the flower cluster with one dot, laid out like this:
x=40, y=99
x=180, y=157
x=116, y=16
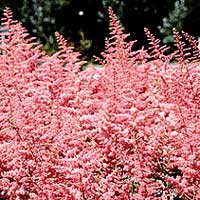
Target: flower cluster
x=127, y=130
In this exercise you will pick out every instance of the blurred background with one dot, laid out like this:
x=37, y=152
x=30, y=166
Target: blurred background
x=84, y=23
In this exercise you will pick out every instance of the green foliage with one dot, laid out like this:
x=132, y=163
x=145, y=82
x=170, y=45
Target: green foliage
x=175, y=19
x=117, y=4
x=40, y=16
x=84, y=45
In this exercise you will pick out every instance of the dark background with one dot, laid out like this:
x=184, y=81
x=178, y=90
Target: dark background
x=85, y=22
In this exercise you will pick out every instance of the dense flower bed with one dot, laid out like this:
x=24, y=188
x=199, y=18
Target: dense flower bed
x=127, y=130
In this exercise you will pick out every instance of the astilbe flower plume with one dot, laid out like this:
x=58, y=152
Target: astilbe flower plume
x=129, y=130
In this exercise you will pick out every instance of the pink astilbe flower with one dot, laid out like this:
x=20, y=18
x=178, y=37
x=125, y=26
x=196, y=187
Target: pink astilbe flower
x=127, y=130
x=157, y=50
